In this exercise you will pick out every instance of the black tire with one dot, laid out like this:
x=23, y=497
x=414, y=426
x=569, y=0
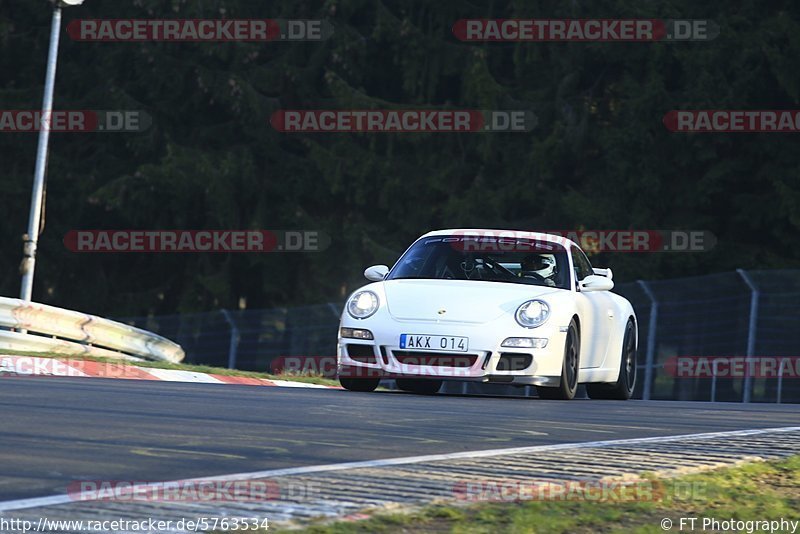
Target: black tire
x=622, y=389
x=359, y=384
x=569, y=369
x=419, y=385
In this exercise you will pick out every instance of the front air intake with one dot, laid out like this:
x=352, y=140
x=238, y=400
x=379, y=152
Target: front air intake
x=361, y=353
x=513, y=361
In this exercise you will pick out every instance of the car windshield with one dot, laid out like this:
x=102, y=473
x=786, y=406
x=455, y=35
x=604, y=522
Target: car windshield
x=491, y=259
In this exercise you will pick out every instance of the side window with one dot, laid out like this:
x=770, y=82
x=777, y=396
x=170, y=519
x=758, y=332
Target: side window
x=581, y=264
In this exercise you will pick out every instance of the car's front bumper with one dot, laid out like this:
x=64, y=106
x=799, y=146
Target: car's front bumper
x=484, y=361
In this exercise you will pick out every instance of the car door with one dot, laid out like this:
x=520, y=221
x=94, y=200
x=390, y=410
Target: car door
x=596, y=311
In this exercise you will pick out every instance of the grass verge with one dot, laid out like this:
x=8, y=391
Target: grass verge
x=753, y=492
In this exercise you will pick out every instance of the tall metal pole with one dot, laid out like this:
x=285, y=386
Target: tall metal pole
x=31, y=239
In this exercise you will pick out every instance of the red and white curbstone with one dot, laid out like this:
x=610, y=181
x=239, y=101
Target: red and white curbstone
x=36, y=366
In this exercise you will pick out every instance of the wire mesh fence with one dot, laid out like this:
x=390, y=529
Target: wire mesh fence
x=249, y=339
x=753, y=314
x=727, y=316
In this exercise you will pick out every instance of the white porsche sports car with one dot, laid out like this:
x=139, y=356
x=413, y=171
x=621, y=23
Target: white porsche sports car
x=492, y=306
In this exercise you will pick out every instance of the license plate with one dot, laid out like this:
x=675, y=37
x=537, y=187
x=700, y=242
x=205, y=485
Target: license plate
x=426, y=342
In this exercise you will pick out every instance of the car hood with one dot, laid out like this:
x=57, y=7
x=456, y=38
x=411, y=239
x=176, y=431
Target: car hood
x=464, y=301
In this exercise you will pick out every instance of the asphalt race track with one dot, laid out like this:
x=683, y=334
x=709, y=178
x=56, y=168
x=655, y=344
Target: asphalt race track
x=57, y=430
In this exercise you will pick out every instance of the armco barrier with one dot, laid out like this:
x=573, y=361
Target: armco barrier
x=72, y=333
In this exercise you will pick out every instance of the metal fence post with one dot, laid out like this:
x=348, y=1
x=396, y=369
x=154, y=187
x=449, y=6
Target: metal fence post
x=751, y=334
x=234, y=344
x=780, y=382
x=715, y=372
x=651, y=341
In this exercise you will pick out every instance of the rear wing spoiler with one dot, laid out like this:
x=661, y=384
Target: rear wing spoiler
x=603, y=272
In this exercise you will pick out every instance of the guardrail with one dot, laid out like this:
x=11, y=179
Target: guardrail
x=38, y=328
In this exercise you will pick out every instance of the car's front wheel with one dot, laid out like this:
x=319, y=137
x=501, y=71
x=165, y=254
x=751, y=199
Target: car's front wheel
x=359, y=384
x=622, y=389
x=569, y=369
x=419, y=385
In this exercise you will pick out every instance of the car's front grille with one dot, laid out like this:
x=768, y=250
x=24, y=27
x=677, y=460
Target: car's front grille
x=361, y=353
x=435, y=359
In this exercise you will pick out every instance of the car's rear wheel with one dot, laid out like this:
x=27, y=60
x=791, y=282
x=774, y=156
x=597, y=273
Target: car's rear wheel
x=622, y=389
x=569, y=369
x=359, y=384
x=419, y=385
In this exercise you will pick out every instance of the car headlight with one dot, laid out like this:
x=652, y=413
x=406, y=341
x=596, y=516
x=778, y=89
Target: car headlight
x=532, y=313
x=362, y=304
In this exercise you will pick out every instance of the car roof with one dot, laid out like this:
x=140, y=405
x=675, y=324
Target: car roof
x=488, y=232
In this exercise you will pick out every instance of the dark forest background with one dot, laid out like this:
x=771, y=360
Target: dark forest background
x=599, y=157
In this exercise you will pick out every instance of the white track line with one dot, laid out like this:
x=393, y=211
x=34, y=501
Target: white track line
x=53, y=500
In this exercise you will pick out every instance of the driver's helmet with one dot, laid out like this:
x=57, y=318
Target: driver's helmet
x=542, y=264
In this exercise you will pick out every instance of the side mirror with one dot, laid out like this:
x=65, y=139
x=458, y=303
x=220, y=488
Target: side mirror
x=376, y=273
x=595, y=282
x=604, y=272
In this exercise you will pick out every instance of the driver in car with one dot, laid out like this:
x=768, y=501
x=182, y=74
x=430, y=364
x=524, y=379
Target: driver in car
x=540, y=267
